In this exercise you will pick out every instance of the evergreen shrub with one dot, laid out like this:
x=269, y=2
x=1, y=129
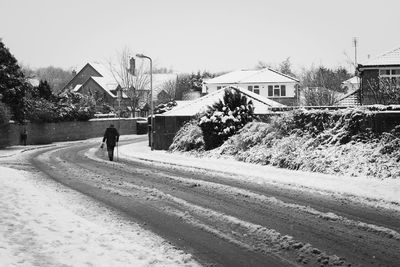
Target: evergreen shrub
x=225, y=118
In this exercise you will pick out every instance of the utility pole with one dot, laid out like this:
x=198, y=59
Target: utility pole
x=355, y=42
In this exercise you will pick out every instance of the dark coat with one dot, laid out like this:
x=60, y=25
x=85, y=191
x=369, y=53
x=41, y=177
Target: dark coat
x=112, y=137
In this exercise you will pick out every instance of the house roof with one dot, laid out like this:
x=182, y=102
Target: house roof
x=352, y=80
x=391, y=57
x=107, y=79
x=252, y=76
x=77, y=87
x=261, y=104
x=349, y=99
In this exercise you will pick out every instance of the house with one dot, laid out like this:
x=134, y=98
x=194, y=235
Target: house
x=97, y=80
x=168, y=123
x=265, y=82
x=351, y=96
x=380, y=77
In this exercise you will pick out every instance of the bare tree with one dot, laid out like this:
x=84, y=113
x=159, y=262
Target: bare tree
x=382, y=90
x=285, y=67
x=322, y=86
x=134, y=82
x=169, y=89
x=319, y=96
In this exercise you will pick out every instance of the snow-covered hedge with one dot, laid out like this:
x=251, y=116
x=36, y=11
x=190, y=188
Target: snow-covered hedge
x=164, y=107
x=334, y=142
x=70, y=107
x=189, y=137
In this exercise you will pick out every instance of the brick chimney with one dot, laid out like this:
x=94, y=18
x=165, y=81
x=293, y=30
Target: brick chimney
x=131, y=69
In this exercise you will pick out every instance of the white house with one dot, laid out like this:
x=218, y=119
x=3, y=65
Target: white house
x=265, y=82
x=262, y=105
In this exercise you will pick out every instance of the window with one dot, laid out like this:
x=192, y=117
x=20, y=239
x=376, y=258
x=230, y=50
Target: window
x=256, y=89
x=391, y=75
x=250, y=88
x=283, y=90
x=270, y=90
x=219, y=87
x=277, y=90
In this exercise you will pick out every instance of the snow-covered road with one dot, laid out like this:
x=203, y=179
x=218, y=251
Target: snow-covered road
x=43, y=223
x=221, y=211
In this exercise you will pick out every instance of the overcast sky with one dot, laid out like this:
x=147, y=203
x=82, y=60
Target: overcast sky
x=214, y=35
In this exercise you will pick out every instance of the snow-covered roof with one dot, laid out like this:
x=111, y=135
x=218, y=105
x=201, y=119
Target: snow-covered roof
x=352, y=80
x=391, y=57
x=159, y=81
x=266, y=75
x=262, y=105
x=77, y=87
x=34, y=82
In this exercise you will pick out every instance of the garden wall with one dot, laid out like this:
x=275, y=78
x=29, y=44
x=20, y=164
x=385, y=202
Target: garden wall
x=45, y=133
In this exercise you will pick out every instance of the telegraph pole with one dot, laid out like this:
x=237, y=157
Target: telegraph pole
x=355, y=42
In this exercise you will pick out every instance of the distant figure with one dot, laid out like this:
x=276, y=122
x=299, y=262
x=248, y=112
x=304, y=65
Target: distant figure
x=24, y=137
x=112, y=136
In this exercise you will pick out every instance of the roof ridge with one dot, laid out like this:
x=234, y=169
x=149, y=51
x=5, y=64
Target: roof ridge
x=254, y=72
x=281, y=73
x=381, y=55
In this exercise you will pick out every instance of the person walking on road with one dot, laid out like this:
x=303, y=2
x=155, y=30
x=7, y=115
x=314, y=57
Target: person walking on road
x=111, y=137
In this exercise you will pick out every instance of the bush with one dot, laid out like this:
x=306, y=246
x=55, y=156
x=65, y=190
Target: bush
x=225, y=118
x=189, y=137
x=162, y=108
x=70, y=107
x=332, y=142
x=41, y=110
x=4, y=114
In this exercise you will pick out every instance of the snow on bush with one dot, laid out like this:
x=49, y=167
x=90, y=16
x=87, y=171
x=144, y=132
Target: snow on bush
x=189, y=137
x=225, y=118
x=332, y=142
x=164, y=107
x=69, y=107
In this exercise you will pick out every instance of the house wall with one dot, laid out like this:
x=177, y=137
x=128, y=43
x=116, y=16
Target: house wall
x=92, y=88
x=82, y=77
x=289, y=99
x=45, y=133
x=369, y=77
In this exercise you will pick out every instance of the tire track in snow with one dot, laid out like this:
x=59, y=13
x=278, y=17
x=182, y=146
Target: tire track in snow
x=245, y=232
x=248, y=235
x=229, y=190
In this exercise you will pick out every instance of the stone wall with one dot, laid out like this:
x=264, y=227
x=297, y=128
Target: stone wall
x=45, y=133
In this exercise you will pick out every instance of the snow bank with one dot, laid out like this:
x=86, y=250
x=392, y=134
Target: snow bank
x=380, y=192
x=45, y=224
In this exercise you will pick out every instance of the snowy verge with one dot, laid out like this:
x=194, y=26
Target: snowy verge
x=384, y=193
x=43, y=223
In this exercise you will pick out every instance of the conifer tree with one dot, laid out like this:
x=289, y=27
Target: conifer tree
x=44, y=90
x=12, y=83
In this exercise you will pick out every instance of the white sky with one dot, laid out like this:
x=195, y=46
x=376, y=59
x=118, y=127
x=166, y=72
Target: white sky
x=215, y=35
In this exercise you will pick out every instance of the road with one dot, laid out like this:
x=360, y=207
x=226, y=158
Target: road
x=226, y=222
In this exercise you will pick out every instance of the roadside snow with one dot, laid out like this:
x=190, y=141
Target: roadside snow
x=385, y=193
x=43, y=223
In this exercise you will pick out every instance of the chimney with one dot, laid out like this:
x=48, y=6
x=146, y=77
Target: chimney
x=131, y=69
